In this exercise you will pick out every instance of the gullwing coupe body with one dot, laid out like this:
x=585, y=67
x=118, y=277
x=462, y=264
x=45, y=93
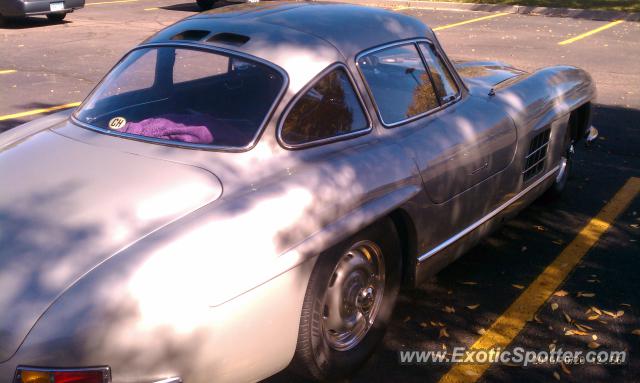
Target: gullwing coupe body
x=249, y=188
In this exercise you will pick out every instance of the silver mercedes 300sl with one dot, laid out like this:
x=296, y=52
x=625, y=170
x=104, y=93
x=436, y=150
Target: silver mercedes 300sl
x=249, y=188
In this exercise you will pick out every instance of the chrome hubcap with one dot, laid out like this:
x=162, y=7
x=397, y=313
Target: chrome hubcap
x=354, y=295
x=562, y=172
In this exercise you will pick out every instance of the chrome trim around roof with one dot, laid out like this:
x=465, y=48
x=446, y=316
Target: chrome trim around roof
x=185, y=145
x=486, y=218
x=303, y=91
x=415, y=43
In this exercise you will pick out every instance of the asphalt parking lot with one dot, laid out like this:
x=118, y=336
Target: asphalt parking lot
x=45, y=67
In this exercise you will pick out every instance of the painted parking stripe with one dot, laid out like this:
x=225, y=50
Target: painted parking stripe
x=469, y=21
x=591, y=32
x=7, y=71
x=513, y=320
x=38, y=111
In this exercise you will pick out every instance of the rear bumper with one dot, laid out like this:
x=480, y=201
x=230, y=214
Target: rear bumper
x=17, y=8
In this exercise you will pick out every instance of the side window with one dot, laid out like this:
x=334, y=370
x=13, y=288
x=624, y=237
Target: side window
x=329, y=109
x=192, y=65
x=399, y=82
x=446, y=87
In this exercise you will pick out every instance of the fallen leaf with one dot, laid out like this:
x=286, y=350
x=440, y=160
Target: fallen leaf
x=636, y=332
x=588, y=311
x=586, y=295
x=619, y=313
x=569, y=332
x=582, y=327
x=423, y=324
x=470, y=283
x=519, y=287
x=564, y=368
x=558, y=242
x=449, y=309
x=568, y=318
x=554, y=306
x=593, y=280
x=556, y=375
x=444, y=333
x=561, y=293
x=597, y=310
x=593, y=345
x=609, y=313
x=634, y=225
x=552, y=346
x=473, y=307
x=444, y=346
x=625, y=304
x=593, y=317
x=481, y=331
x=594, y=337
x=581, y=333
x=434, y=324
x=535, y=318
x=539, y=228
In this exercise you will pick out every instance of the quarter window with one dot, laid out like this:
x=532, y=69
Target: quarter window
x=329, y=109
x=399, y=82
x=442, y=79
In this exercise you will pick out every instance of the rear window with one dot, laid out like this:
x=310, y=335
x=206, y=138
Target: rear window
x=184, y=96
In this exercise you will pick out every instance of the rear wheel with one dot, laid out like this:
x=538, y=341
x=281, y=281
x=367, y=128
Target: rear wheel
x=348, y=303
x=205, y=4
x=57, y=17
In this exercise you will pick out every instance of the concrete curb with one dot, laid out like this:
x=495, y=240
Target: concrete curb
x=516, y=9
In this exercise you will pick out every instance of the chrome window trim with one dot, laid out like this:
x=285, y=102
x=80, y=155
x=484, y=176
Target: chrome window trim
x=486, y=218
x=303, y=91
x=415, y=43
x=106, y=371
x=185, y=145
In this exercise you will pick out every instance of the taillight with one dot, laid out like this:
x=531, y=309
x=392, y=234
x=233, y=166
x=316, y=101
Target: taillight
x=45, y=375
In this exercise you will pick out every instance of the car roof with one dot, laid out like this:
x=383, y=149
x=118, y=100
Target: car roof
x=300, y=34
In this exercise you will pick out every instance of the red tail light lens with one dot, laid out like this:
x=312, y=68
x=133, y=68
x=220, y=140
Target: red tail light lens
x=43, y=375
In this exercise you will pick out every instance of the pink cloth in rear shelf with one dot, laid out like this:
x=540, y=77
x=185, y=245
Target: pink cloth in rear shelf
x=176, y=127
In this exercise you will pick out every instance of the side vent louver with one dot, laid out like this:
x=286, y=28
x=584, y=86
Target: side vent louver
x=534, y=161
x=229, y=39
x=191, y=35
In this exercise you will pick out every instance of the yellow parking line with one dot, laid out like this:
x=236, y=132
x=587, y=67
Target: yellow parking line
x=7, y=71
x=513, y=320
x=469, y=21
x=38, y=111
x=111, y=2
x=591, y=32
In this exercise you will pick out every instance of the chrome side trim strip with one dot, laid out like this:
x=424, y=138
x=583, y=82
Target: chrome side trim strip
x=170, y=380
x=486, y=218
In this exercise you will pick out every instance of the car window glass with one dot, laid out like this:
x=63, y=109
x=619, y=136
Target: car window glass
x=193, y=65
x=329, y=109
x=222, y=100
x=140, y=75
x=399, y=82
x=442, y=79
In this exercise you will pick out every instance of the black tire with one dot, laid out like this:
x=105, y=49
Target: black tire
x=205, y=5
x=315, y=358
x=56, y=17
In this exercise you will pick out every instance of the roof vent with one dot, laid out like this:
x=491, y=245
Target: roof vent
x=192, y=35
x=228, y=38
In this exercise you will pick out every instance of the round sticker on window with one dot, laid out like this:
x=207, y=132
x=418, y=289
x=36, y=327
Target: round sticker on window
x=117, y=123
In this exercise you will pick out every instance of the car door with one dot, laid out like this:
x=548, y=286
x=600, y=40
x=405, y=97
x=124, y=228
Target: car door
x=458, y=141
